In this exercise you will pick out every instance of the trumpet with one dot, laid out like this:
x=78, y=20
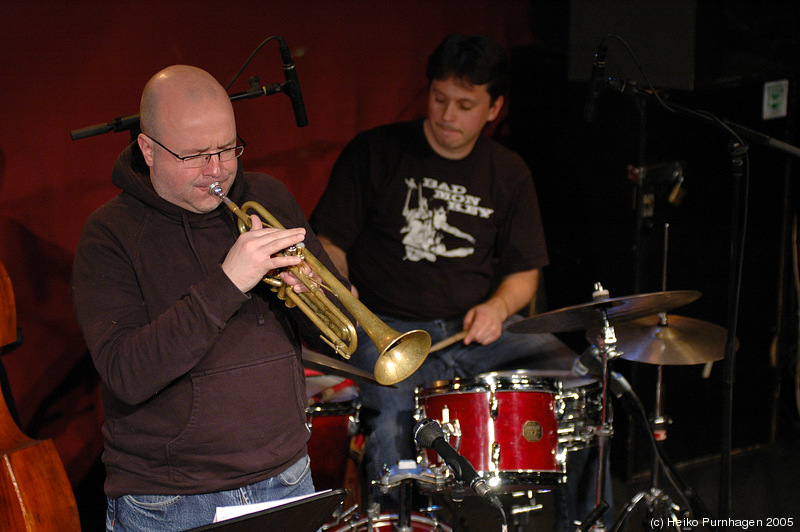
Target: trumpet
x=400, y=354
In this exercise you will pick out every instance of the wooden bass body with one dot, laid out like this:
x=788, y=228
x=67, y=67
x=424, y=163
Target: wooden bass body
x=35, y=492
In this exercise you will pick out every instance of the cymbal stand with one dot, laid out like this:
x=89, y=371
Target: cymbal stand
x=663, y=512
x=607, y=347
x=660, y=507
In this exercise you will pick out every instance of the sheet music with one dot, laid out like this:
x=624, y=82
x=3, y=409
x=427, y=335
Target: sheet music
x=229, y=512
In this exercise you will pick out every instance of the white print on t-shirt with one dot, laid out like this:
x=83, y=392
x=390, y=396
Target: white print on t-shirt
x=426, y=227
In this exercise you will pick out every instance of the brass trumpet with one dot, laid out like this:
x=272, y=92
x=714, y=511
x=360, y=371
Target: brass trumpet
x=400, y=354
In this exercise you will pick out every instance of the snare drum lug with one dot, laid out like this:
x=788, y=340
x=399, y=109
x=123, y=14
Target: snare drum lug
x=559, y=407
x=452, y=429
x=496, y=455
x=493, y=405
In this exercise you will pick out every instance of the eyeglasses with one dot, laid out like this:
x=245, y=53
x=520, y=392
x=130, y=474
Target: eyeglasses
x=202, y=159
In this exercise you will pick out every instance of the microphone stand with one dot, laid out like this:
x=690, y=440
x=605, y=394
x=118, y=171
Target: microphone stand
x=737, y=151
x=457, y=493
x=131, y=122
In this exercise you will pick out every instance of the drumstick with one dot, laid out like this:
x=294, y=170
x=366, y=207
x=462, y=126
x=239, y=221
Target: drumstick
x=325, y=394
x=448, y=341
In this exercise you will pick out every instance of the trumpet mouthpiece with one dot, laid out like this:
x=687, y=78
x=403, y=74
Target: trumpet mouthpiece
x=215, y=189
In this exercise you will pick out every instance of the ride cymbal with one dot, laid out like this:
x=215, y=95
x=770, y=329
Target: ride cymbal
x=590, y=315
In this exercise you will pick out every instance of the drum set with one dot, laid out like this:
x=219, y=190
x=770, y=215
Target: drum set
x=515, y=428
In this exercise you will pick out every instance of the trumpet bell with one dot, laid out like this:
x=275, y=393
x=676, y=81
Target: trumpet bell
x=402, y=357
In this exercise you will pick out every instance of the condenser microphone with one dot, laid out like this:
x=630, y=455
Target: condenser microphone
x=292, y=85
x=597, y=80
x=428, y=434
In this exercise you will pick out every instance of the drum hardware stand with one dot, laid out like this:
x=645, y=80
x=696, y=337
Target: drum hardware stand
x=658, y=502
x=517, y=510
x=403, y=476
x=607, y=347
x=340, y=515
x=457, y=494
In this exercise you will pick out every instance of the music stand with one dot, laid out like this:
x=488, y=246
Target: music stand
x=305, y=515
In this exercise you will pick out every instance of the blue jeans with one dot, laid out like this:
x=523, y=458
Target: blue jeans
x=157, y=513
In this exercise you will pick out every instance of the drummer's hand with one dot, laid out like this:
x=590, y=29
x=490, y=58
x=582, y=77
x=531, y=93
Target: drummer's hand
x=484, y=323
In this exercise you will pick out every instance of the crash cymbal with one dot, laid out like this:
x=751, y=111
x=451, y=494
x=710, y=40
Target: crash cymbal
x=327, y=364
x=682, y=341
x=590, y=315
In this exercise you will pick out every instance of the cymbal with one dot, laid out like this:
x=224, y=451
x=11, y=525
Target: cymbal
x=589, y=315
x=682, y=341
x=331, y=365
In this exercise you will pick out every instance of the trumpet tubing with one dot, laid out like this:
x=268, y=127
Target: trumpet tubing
x=399, y=354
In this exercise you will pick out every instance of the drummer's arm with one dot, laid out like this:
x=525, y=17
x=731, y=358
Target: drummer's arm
x=338, y=257
x=484, y=322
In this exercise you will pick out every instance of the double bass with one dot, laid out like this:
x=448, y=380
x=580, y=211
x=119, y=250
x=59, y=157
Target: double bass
x=35, y=493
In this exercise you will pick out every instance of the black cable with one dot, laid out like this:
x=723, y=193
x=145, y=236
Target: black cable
x=641, y=71
x=634, y=405
x=247, y=62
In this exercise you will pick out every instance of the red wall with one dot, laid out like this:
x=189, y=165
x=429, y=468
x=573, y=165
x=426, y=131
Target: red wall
x=71, y=64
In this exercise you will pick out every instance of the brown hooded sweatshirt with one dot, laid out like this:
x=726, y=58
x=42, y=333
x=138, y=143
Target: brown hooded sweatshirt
x=202, y=386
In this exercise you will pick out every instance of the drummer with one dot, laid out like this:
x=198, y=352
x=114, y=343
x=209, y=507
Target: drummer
x=424, y=217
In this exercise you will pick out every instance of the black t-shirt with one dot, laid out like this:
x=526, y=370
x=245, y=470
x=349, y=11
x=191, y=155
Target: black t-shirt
x=425, y=235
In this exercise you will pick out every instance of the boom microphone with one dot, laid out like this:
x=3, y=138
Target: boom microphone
x=596, y=82
x=292, y=86
x=428, y=433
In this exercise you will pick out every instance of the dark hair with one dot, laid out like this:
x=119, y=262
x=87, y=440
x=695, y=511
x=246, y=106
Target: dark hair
x=476, y=59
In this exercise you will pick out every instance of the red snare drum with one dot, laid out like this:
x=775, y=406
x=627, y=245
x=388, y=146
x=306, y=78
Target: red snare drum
x=388, y=522
x=332, y=418
x=504, y=423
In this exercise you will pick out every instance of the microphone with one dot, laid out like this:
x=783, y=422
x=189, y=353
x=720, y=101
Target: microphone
x=292, y=85
x=597, y=80
x=428, y=433
x=590, y=363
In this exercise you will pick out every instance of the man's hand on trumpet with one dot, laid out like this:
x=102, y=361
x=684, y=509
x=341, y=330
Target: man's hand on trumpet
x=259, y=251
x=290, y=278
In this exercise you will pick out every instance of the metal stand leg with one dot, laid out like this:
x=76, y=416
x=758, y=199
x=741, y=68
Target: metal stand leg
x=594, y=521
x=662, y=511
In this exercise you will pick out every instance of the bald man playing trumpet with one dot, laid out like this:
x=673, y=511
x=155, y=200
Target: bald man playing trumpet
x=202, y=379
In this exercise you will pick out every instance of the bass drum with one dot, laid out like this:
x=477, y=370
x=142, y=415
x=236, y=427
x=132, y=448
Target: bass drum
x=388, y=522
x=332, y=418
